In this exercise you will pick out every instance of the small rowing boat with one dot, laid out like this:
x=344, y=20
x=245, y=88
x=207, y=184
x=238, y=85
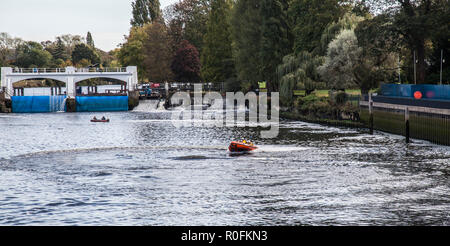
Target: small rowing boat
x=100, y=121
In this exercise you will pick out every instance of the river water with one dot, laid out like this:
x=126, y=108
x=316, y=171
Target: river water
x=60, y=169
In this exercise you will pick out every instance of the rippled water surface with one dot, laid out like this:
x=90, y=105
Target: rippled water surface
x=60, y=169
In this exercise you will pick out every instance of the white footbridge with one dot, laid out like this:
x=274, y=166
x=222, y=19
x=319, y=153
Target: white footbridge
x=69, y=75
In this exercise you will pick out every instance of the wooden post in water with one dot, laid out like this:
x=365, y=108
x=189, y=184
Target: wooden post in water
x=407, y=124
x=370, y=114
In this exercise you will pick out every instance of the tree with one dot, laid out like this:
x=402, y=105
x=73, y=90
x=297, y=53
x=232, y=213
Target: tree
x=90, y=40
x=175, y=32
x=274, y=40
x=82, y=51
x=217, y=61
x=59, y=52
x=8, y=46
x=349, y=22
x=186, y=63
x=132, y=52
x=415, y=22
x=246, y=32
x=191, y=16
x=145, y=12
x=347, y=64
x=310, y=18
x=158, y=53
x=342, y=56
x=298, y=71
x=70, y=41
x=32, y=54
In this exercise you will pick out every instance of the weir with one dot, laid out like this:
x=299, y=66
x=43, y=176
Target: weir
x=71, y=100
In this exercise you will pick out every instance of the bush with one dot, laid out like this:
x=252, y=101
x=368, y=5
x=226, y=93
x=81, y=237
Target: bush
x=341, y=98
x=316, y=107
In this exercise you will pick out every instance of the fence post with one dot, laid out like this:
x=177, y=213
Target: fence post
x=370, y=114
x=407, y=124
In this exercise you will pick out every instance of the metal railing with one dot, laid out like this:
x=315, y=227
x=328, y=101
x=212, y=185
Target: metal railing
x=101, y=70
x=419, y=120
x=39, y=70
x=63, y=70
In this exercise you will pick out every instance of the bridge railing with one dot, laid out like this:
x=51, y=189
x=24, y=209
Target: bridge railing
x=39, y=70
x=101, y=70
x=63, y=70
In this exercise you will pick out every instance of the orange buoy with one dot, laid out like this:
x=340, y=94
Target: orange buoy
x=418, y=95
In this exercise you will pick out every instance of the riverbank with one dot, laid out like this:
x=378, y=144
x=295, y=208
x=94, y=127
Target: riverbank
x=424, y=126
x=343, y=123
x=334, y=110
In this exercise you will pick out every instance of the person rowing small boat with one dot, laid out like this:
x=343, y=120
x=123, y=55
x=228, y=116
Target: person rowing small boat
x=103, y=119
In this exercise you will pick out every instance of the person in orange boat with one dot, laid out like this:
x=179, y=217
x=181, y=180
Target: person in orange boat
x=247, y=142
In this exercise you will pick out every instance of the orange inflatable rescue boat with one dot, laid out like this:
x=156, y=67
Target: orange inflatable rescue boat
x=243, y=146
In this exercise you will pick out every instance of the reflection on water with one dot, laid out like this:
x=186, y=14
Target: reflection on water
x=61, y=169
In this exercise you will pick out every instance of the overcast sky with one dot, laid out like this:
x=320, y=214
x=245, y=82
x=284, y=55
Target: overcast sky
x=40, y=20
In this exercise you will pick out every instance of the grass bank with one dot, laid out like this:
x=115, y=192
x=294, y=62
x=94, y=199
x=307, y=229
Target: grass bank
x=336, y=110
x=341, y=123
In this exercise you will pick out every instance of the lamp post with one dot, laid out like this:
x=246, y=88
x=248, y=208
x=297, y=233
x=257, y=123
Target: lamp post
x=442, y=62
x=415, y=70
x=399, y=70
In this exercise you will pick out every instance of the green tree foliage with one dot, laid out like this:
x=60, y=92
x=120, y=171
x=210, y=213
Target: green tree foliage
x=342, y=56
x=8, y=47
x=417, y=23
x=190, y=17
x=175, y=32
x=158, y=53
x=32, y=54
x=217, y=61
x=186, y=63
x=246, y=32
x=70, y=41
x=90, y=40
x=59, y=52
x=132, y=51
x=145, y=12
x=349, y=22
x=106, y=58
x=298, y=72
x=82, y=51
x=348, y=65
x=310, y=18
x=274, y=40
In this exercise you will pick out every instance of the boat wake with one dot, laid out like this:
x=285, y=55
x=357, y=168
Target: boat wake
x=102, y=149
x=275, y=148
